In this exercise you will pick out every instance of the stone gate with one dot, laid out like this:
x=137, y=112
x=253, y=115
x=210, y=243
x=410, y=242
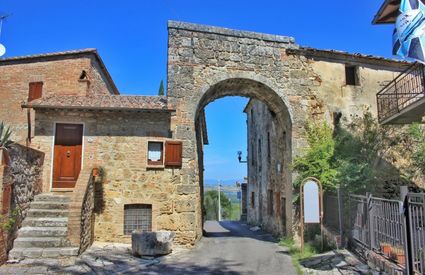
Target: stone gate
x=297, y=84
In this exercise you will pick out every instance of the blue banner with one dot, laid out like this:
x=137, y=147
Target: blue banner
x=408, y=36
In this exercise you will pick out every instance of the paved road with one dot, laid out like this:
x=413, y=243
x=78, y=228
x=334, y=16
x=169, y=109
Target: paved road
x=229, y=248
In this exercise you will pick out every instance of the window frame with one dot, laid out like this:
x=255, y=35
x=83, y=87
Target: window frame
x=155, y=163
x=35, y=90
x=354, y=79
x=141, y=207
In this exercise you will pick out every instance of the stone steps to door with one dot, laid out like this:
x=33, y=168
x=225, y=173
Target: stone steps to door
x=47, y=213
x=49, y=205
x=45, y=222
x=30, y=231
x=41, y=242
x=51, y=197
x=44, y=230
x=36, y=252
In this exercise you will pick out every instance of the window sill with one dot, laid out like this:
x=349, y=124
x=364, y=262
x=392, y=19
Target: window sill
x=155, y=166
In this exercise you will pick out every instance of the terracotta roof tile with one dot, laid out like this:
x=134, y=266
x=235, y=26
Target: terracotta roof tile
x=106, y=102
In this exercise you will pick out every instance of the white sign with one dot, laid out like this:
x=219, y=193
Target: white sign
x=311, y=202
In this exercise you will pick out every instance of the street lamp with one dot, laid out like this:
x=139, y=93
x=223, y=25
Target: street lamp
x=240, y=157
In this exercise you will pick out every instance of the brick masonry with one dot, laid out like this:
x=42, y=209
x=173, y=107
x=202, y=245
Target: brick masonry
x=60, y=76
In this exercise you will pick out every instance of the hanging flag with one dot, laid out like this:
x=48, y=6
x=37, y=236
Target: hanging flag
x=409, y=33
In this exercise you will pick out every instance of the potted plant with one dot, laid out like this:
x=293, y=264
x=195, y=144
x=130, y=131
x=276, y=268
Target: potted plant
x=4, y=143
x=398, y=254
x=386, y=249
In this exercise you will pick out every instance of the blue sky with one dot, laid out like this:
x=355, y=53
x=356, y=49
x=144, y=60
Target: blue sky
x=131, y=37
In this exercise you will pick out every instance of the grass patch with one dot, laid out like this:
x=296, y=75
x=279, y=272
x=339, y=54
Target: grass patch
x=296, y=254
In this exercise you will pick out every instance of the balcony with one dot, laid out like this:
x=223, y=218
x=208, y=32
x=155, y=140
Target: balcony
x=402, y=101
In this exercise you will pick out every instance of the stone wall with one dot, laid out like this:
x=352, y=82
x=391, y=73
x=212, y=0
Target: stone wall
x=24, y=173
x=60, y=76
x=267, y=172
x=117, y=142
x=297, y=84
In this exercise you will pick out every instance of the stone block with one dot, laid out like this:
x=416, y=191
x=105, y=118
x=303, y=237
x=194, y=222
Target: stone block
x=185, y=205
x=152, y=243
x=186, y=189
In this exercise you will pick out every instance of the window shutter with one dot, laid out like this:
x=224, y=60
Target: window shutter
x=173, y=153
x=35, y=90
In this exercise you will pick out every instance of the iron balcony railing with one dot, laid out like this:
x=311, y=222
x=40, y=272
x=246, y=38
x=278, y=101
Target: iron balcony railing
x=406, y=89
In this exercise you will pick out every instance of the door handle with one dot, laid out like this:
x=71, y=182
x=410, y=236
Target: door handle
x=68, y=154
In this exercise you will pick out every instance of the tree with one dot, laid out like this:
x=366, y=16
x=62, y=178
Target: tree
x=211, y=205
x=161, y=88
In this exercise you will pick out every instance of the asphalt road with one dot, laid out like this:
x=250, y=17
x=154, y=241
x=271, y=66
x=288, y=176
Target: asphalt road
x=229, y=248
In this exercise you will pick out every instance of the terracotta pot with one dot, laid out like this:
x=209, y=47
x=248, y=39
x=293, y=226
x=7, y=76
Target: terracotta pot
x=96, y=172
x=400, y=258
x=4, y=157
x=386, y=249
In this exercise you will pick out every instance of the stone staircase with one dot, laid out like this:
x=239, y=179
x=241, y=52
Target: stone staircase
x=44, y=231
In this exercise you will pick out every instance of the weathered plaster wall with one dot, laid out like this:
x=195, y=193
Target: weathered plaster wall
x=267, y=169
x=118, y=141
x=59, y=77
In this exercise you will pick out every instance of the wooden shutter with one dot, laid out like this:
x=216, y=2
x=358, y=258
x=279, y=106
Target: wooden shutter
x=35, y=90
x=173, y=153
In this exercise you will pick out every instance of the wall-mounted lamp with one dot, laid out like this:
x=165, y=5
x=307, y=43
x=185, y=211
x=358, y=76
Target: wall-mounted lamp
x=240, y=157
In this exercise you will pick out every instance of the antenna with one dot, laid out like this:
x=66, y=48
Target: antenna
x=2, y=47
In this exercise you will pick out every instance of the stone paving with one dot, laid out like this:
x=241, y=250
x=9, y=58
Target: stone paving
x=335, y=262
x=101, y=258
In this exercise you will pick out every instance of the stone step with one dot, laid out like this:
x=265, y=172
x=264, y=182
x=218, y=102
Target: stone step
x=40, y=242
x=44, y=213
x=49, y=205
x=30, y=231
x=45, y=222
x=35, y=252
x=51, y=197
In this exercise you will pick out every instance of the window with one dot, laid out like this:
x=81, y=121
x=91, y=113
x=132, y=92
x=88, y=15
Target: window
x=173, y=153
x=252, y=199
x=155, y=153
x=252, y=115
x=270, y=202
x=259, y=155
x=137, y=217
x=351, y=77
x=268, y=148
x=252, y=154
x=35, y=90
x=278, y=206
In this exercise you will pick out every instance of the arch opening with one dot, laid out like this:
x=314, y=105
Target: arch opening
x=268, y=196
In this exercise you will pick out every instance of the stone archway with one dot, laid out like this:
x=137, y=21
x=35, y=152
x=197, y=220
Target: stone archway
x=255, y=90
x=207, y=63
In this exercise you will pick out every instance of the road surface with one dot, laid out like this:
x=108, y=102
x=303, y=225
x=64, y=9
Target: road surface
x=229, y=247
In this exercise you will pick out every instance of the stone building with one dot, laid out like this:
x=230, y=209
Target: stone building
x=150, y=149
x=347, y=87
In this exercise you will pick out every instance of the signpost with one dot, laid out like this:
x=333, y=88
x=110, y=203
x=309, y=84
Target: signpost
x=311, y=194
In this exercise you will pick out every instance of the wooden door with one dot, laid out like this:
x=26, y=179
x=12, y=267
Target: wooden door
x=67, y=155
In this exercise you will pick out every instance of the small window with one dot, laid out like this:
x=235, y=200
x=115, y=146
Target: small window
x=252, y=199
x=278, y=206
x=155, y=153
x=270, y=202
x=252, y=115
x=268, y=148
x=35, y=90
x=137, y=217
x=259, y=155
x=351, y=77
x=252, y=154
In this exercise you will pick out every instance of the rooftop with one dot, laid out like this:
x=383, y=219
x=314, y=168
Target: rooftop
x=106, y=102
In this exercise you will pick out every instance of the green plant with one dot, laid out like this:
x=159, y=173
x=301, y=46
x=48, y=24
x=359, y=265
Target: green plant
x=100, y=174
x=5, y=136
x=9, y=222
x=161, y=88
x=295, y=252
x=317, y=159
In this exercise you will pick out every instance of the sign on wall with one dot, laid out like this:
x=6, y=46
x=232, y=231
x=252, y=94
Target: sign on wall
x=311, y=202
x=311, y=205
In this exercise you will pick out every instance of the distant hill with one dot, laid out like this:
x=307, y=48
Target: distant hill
x=228, y=182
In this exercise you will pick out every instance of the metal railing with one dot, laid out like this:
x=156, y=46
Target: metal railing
x=401, y=92
x=416, y=227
